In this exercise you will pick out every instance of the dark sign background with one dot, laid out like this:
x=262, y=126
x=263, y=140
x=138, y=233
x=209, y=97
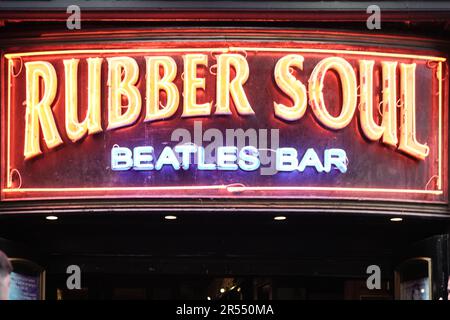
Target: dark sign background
x=83, y=170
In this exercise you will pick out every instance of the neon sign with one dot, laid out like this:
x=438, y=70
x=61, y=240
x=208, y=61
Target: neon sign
x=99, y=122
x=123, y=73
x=228, y=158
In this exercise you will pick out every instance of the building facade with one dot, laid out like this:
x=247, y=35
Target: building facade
x=194, y=150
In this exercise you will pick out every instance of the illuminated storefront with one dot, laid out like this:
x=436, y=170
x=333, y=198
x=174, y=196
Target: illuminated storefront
x=206, y=120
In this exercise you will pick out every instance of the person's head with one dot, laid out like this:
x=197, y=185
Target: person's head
x=416, y=295
x=5, y=270
x=448, y=289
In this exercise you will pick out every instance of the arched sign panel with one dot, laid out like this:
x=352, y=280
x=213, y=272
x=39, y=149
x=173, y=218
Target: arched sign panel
x=224, y=119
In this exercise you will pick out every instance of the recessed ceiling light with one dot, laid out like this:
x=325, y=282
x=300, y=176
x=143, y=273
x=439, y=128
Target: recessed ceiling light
x=51, y=218
x=396, y=219
x=170, y=217
x=279, y=218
